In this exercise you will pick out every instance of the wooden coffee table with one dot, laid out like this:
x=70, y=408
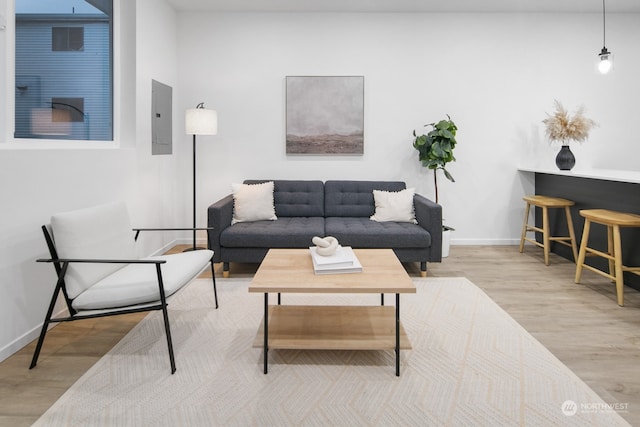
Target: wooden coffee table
x=331, y=327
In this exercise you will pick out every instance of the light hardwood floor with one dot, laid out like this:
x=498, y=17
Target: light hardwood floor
x=581, y=324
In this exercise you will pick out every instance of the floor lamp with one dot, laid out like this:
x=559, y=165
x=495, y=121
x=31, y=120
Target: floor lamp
x=199, y=121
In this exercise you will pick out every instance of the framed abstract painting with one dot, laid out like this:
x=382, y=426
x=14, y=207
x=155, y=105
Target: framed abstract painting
x=325, y=115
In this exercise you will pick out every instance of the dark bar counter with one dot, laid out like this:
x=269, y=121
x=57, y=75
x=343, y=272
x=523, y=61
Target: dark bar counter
x=594, y=189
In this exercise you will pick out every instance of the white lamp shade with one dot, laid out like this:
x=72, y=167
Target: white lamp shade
x=50, y=121
x=201, y=121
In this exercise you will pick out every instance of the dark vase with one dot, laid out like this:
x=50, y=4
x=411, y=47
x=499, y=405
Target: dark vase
x=565, y=159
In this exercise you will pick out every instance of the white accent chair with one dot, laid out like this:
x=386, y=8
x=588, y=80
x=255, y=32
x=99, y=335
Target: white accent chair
x=93, y=252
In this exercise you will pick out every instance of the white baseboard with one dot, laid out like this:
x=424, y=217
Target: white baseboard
x=484, y=242
x=19, y=343
x=199, y=242
x=22, y=341
x=165, y=248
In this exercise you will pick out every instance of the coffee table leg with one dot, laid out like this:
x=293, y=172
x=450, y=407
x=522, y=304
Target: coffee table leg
x=397, y=335
x=266, y=330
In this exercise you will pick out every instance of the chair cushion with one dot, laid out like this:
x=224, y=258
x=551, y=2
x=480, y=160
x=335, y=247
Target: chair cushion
x=138, y=283
x=100, y=232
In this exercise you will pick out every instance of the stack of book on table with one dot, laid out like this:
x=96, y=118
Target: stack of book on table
x=342, y=261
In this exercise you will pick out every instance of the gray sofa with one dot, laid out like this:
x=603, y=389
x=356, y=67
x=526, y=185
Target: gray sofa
x=334, y=208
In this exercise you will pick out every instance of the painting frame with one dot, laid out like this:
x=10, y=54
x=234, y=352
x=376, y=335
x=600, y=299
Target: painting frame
x=324, y=115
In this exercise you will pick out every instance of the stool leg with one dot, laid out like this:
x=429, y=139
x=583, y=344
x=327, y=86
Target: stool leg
x=545, y=234
x=524, y=226
x=572, y=234
x=611, y=251
x=583, y=249
x=617, y=253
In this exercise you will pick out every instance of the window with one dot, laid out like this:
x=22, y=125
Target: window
x=67, y=38
x=64, y=70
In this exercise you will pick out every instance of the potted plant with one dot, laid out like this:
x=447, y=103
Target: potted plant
x=435, y=150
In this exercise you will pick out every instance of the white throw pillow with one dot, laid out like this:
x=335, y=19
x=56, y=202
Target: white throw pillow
x=253, y=202
x=394, y=206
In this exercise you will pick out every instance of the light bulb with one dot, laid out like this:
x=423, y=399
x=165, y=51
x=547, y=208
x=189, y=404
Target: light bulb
x=604, y=66
x=606, y=61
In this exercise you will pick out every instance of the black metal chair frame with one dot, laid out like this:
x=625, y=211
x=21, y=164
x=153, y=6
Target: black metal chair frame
x=61, y=265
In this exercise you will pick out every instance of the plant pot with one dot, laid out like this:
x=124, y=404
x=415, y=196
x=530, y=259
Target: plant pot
x=446, y=242
x=565, y=159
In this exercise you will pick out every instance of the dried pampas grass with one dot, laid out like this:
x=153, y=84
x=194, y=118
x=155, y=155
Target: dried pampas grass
x=562, y=127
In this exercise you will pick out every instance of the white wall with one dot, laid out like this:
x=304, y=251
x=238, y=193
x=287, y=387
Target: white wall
x=495, y=74
x=39, y=182
x=3, y=64
x=159, y=196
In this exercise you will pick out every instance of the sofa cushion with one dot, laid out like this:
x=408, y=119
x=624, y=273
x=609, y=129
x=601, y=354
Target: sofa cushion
x=287, y=232
x=364, y=233
x=253, y=202
x=354, y=198
x=297, y=198
x=394, y=206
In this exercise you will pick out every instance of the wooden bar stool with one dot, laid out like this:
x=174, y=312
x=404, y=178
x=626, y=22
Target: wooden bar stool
x=545, y=203
x=613, y=221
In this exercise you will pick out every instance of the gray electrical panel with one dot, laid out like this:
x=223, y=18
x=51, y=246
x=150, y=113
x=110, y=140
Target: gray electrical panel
x=161, y=118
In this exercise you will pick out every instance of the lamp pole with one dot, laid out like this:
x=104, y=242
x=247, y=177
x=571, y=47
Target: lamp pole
x=194, y=192
x=199, y=121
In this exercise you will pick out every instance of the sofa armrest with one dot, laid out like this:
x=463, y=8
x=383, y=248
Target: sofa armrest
x=219, y=217
x=429, y=216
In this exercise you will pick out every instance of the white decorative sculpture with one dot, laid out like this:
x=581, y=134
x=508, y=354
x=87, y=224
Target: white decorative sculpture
x=325, y=246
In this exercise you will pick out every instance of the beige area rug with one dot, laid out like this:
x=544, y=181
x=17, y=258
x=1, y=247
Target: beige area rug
x=471, y=365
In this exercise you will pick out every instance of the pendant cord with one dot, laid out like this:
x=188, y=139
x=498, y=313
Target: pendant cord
x=604, y=26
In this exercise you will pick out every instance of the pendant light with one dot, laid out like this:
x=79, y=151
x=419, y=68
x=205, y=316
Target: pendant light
x=606, y=57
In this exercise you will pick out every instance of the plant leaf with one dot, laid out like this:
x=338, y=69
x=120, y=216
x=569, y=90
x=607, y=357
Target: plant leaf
x=448, y=175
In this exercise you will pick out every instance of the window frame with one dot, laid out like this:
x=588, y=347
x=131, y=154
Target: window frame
x=7, y=118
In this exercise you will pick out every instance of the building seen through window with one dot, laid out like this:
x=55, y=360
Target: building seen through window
x=64, y=69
